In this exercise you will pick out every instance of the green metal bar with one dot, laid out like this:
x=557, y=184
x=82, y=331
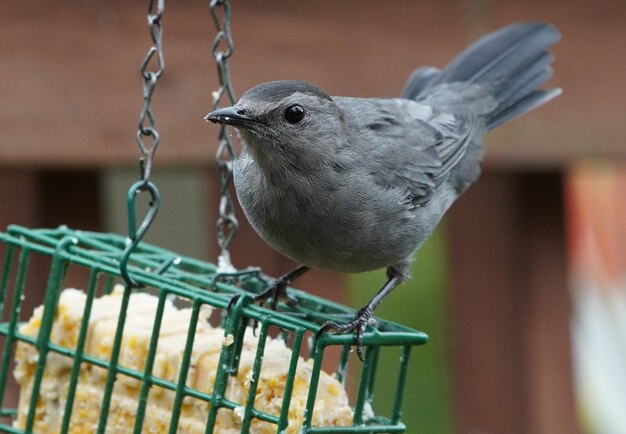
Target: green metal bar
x=6, y=271
x=342, y=368
x=278, y=319
x=264, y=416
x=147, y=376
x=22, y=232
x=184, y=366
x=378, y=339
x=109, y=267
x=131, y=373
x=371, y=382
x=404, y=367
x=166, y=264
x=254, y=380
x=148, y=278
x=10, y=429
x=283, y=420
x=237, y=345
x=113, y=367
x=228, y=404
x=13, y=318
x=70, y=353
x=369, y=429
x=226, y=355
x=318, y=357
x=78, y=354
x=57, y=273
x=109, y=284
x=137, y=257
x=363, y=393
x=8, y=412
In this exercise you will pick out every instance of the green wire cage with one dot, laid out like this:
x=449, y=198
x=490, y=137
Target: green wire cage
x=94, y=259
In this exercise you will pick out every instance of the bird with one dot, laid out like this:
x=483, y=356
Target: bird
x=352, y=184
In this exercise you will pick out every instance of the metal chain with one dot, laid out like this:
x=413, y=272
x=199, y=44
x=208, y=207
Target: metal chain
x=147, y=139
x=147, y=130
x=222, y=49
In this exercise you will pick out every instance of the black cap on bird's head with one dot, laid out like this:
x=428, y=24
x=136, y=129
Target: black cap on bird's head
x=275, y=91
x=258, y=104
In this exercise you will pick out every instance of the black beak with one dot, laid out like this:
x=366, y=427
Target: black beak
x=235, y=116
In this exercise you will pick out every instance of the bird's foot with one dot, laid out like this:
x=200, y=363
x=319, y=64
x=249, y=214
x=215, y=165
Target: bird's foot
x=275, y=292
x=358, y=323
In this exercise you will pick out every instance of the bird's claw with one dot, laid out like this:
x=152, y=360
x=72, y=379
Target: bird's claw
x=232, y=302
x=276, y=291
x=358, y=323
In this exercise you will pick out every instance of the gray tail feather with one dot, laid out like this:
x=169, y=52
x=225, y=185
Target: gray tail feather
x=513, y=61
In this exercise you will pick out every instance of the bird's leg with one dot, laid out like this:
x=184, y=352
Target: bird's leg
x=361, y=319
x=278, y=289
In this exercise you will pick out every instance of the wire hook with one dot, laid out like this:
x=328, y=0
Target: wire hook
x=135, y=234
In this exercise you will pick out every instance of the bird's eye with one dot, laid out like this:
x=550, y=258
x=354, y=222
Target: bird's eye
x=294, y=114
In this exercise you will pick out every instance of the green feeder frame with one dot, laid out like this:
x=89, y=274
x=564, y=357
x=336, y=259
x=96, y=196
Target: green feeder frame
x=167, y=274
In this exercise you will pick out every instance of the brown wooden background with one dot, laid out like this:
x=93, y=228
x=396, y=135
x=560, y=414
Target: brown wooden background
x=70, y=96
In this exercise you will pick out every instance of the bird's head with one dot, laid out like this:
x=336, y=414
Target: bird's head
x=289, y=119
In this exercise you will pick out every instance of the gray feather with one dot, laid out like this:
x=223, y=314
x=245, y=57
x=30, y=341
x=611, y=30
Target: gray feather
x=524, y=105
x=509, y=64
x=526, y=82
x=498, y=54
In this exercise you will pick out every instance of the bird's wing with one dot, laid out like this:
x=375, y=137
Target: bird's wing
x=415, y=145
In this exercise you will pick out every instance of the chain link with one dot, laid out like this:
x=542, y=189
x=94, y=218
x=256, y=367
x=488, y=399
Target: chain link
x=148, y=138
x=147, y=134
x=222, y=49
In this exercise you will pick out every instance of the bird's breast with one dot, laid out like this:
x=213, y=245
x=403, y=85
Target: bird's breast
x=322, y=223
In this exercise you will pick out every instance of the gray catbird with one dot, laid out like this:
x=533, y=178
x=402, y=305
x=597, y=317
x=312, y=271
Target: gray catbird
x=354, y=184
